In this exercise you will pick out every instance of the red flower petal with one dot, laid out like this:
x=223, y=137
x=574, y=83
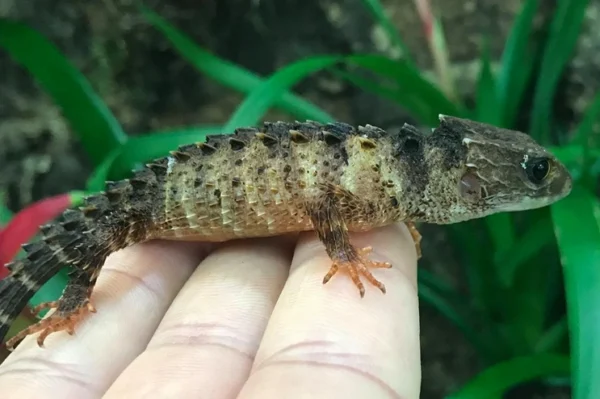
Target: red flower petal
x=25, y=224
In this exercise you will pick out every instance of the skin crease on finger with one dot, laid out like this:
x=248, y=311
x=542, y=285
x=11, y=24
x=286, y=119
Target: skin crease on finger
x=325, y=341
x=133, y=291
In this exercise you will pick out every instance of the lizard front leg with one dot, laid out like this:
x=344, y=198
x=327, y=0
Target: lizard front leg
x=71, y=307
x=327, y=216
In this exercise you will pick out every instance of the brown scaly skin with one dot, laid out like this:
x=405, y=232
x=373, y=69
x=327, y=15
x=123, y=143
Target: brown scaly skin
x=288, y=177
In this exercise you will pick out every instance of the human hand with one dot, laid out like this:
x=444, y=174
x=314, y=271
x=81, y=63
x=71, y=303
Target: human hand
x=243, y=324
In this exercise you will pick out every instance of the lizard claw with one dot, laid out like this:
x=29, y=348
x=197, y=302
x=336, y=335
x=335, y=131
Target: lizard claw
x=359, y=267
x=58, y=321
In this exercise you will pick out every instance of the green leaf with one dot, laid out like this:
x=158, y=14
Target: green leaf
x=437, y=283
x=227, y=73
x=5, y=213
x=577, y=229
x=453, y=311
x=96, y=127
x=564, y=31
x=143, y=148
x=254, y=107
x=496, y=380
x=406, y=85
x=475, y=259
x=381, y=17
x=488, y=108
x=516, y=64
x=99, y=176
x=585, y=131
x=587, y=136
x=501, y=231
x=509, y=259
x=553, y=336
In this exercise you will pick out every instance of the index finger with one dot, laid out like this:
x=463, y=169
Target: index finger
x=327, y=341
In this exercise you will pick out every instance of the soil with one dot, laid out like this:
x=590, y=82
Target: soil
x=148, y=86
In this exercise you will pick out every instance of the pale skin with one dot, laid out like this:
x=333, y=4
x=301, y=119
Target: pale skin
x=252, y=321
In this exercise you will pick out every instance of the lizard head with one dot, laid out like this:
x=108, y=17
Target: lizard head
x=487, y=170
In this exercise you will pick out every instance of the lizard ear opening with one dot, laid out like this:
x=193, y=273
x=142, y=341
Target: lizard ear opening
x=470, y=187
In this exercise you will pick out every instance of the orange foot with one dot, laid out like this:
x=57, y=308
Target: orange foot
x=58, y=321
x=357, y=267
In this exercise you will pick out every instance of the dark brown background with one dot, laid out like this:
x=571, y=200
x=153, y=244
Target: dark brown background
x=148, y=86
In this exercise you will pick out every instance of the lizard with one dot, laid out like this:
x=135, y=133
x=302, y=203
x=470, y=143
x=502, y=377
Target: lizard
x=332, y=178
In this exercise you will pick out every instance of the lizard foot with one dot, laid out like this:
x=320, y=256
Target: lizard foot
x=357, y=267
x=61, y=320
x=416, y=237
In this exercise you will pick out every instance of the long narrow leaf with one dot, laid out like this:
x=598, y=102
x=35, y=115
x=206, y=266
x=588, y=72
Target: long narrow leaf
x=5, y=213
x=228, y=73
x=418, y=109
x=96, y=127
x=516, y=64
x=96, y=182
x=409, y=85
x=530, y=243
x=564, y=32
x=381, y=17
x=487, y=108
x=577, y=231
x=587, y=136
x=454, y=313
x=496, y=380
x=553, y=336
x=585, y=130
x=264, y=96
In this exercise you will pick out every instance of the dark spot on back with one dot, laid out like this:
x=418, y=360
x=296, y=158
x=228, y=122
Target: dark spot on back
x=207, y=149
x=344, y=154
x=217, y=192
x=394, y=202
x=411, y=145
x=197, y=182
x=180, y=156
x=408, y=148
x=236, y=145
x=448, y=137
x=260, y=170
x=238, y=162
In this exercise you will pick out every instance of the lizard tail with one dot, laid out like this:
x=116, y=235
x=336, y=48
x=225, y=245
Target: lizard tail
x=60, y=244
x=63, y=242
x=81, y=239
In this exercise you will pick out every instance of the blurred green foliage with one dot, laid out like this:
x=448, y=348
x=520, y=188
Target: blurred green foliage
x=520, y=268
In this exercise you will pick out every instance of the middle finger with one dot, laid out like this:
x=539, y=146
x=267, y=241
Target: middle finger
x=207, y=340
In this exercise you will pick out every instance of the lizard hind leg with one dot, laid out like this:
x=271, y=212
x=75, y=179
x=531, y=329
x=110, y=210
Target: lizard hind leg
x=73, y=305
x=416, y=236
x=329, y=221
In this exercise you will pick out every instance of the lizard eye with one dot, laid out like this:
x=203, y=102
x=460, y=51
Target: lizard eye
x=537, y=169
